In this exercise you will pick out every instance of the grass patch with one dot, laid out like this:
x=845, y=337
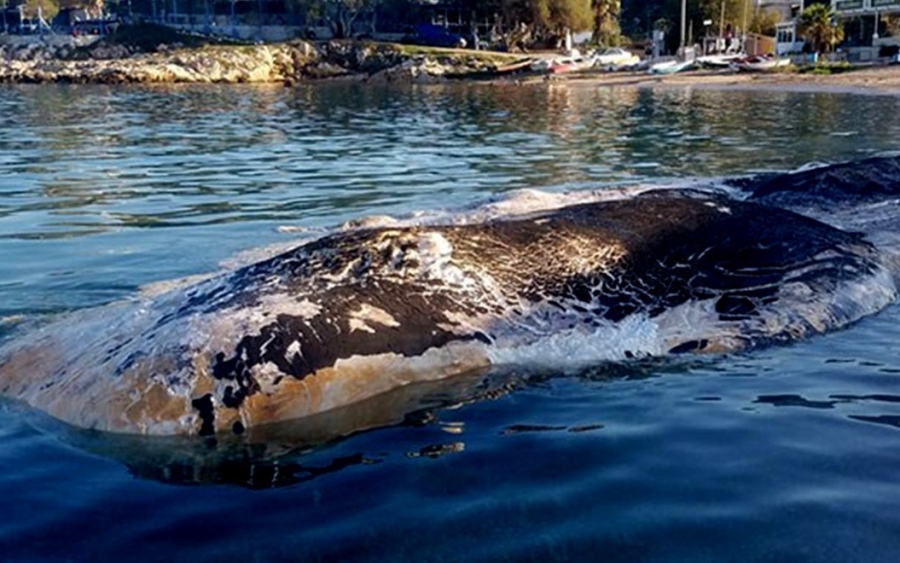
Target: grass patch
x=487, y=56
x=827, y=68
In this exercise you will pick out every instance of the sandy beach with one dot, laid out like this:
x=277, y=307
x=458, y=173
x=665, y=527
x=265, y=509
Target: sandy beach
x=875, y=80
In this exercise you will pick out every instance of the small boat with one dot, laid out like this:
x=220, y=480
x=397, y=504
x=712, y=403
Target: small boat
x=500, y=71
x=671, y=67
x=719, y=60
x=569, y=64
x=573, y=61
x=513, y=67
x=759, y=63
x=616, y=58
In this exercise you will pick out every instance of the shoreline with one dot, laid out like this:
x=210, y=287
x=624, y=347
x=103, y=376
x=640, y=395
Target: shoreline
x=301, y=63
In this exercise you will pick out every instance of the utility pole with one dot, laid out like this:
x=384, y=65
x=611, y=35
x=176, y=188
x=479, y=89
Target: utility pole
x=744, y=29
x=722, y=21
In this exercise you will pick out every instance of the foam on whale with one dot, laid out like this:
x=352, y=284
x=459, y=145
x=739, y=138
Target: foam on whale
x=357, y=313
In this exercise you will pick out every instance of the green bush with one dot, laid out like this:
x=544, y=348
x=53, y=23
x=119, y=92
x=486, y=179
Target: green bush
x=827, y=68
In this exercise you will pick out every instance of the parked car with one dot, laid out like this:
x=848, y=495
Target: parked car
x=616, y=57
x=437, y=36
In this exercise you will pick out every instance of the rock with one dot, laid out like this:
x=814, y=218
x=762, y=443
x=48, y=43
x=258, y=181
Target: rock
x=324, y=70
x=288, y=63
x=417, y=70
x=109, y=52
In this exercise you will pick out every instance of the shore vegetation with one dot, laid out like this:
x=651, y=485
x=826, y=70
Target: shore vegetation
x=819, y=26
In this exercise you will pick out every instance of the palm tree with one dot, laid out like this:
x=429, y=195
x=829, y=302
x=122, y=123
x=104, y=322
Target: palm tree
x=818, y=26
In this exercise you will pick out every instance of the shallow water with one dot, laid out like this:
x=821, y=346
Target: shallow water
x=788, y=453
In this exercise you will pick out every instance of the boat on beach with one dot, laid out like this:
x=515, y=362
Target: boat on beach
x=759, y=63
x=719, y=60
x=573, y=61
x=500, y=71
x=570, y=65
x=671, y=67
x=514, y=67
x=615, y=58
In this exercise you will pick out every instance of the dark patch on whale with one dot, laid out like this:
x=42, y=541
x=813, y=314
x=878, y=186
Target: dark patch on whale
x=742, y=256
x=856, y=182
x=205, y=410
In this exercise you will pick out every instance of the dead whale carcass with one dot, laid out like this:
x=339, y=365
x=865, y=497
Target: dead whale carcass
x=354, y=314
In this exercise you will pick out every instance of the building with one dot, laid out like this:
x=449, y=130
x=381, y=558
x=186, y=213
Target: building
x=273, y=20
x=787, y=40
x=865, y=33
x=267, y=20
x=850, y=8
x=787, y=36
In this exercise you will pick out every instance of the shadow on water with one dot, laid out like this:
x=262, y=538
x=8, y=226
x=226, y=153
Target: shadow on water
x=280, y=454
x=411, y=421
x=293, y=452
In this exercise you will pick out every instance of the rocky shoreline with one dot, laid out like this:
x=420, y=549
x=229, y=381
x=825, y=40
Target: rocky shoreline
x=289, y=63
x=297, y=62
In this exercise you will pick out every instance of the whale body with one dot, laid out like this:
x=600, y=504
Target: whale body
x=357, y=313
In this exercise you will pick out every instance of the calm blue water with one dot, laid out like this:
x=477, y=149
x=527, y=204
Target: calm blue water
x=785, y=454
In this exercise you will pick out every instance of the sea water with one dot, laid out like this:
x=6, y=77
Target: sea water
x=789, y=453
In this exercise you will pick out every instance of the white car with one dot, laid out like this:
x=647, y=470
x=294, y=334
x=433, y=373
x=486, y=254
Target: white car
x=616, y=57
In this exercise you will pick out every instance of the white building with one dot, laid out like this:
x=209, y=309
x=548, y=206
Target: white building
x=787, y=40
x=861, y=19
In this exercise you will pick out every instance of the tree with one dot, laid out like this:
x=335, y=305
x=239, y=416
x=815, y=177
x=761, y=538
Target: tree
x=557, y=16
x=307, y=11
x=637, y=17
x=606, y=22
x=526, y=21
x=891, y=24
x=342, y=14
x=734, y=12
x=764, y=22
x=49, y=8
x=819, y=27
